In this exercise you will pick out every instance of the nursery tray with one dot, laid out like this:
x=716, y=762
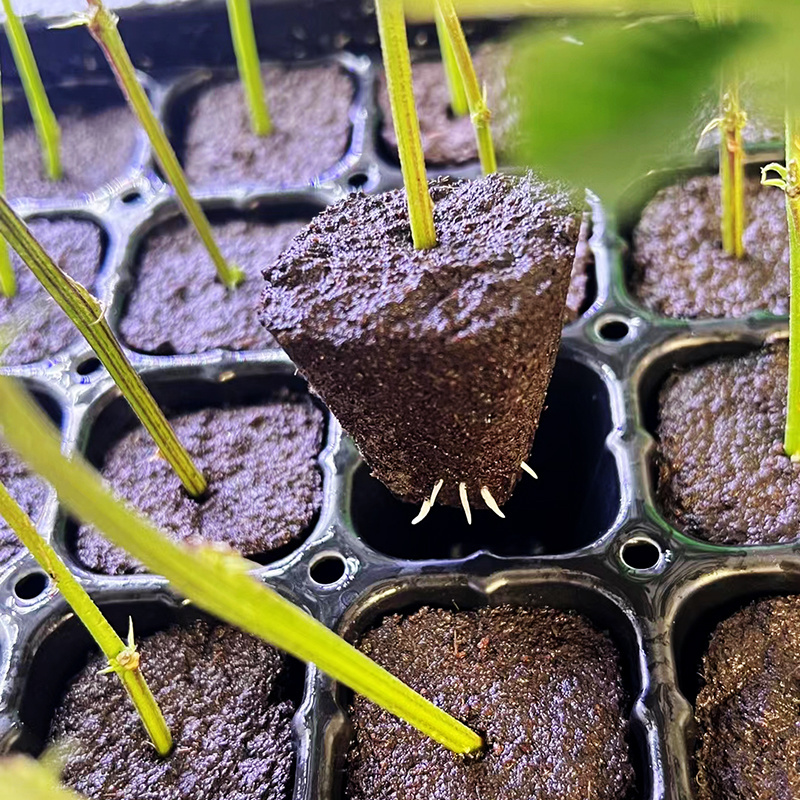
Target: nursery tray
x=587, y=536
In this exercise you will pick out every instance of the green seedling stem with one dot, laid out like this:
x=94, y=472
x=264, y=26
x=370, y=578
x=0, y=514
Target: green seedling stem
x=731, y=148
x=455, y=85
x=123, y=659
x=102, y=25
x=23, y=778
x=8, y=283
x=217, y=582
x=731, y=164
x=788, y=180
x=240, y=17
x=397, y=65
x=478, y=108
x=86, y=313
x=44, y=119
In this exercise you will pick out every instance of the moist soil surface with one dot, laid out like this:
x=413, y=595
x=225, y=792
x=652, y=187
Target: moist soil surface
x=435, y=361
x=224, y=697
x=680, y=268
x=749, y=739
x=96, y=148
x=544, y=687
x=447, y=139
x=310, y=109
x=178, y=305
x=723, y=472
x=38, y=327
x=28, y=490
x=265, y=486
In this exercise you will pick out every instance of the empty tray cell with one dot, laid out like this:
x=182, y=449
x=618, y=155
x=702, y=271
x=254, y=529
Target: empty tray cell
x=491, y=668
x=177, y=304
x=448, y=140
x=100, y=143
x=229, y=700
x=678, y=267
x=39, y=328
x=572, y=504
x=723, y=474
x=257, y=441
x=310, y=109
x=27, y=489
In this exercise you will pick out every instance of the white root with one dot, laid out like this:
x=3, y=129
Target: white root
x=462, y=493
x=529, y=470
x=491, y=502
x=423, y=512
x=428, y=504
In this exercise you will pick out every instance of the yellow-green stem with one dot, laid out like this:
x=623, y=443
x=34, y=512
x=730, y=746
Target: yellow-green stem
x=792, y=435
x=731, y=165
x=216, y=582
x=478, y=108
x=122, y=658
x=102, y=25
x=455, y=85
x=397, y=65
x=8, y=282
x=44, y=119
x=86, y=313
x=23, y=778
x=240, y=16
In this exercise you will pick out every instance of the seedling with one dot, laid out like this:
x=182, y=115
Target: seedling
x=458, y=95
x=44, y=119
x=102, y=26
x=788, y=180
x=240, y=17
x=123, y=659
x=217, y=582
x=476, y=98
x=731, y=149
x=397, y=65
x=86, y=312
x=8, y=283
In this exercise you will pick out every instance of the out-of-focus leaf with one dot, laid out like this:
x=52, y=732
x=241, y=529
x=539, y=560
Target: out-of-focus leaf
x=422, y=10
x=22, y=778
x=598, y=107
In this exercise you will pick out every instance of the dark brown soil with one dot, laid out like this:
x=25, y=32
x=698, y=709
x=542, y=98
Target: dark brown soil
x=436, y=362
x=38, y=326
x=178, y=305
x=447, y=139
x=96, y=148
x=723, y=472
x=543, y=686
x=680, y=268
x=747, y=710
x=28, y=490
x=224, y=698
x=265, y=486
x=310, y=108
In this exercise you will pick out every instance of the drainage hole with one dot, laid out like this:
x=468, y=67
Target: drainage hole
x=129, y=198
x=31, y=586
x=327, y=569
x=88, y=366
x=614, y=330
x=358, y=180
x=640, y=554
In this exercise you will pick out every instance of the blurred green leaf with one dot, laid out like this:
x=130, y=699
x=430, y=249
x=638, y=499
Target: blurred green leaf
x=599, y=106
x=22, y=778
x=422, y=10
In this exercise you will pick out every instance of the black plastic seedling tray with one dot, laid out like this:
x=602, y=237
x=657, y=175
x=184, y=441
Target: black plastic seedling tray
x=587, y=536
